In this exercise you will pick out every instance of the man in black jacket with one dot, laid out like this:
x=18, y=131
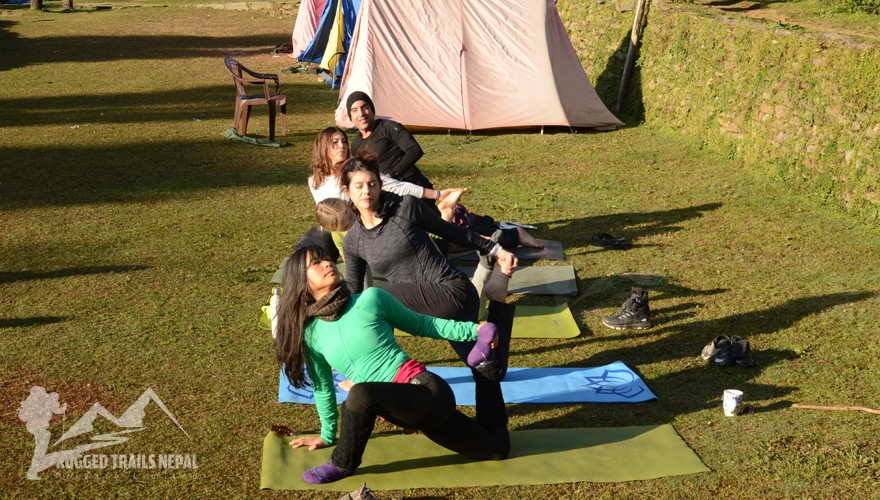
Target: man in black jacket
x=394, y=146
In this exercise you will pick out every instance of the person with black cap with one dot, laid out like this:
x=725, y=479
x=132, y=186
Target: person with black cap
x=390, y=141
x=397, y=152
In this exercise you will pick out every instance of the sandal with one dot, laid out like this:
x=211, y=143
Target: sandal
x=605, y=240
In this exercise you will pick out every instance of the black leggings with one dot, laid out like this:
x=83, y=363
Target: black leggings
x=427, y=404
x=458, y=300
x=452, y=299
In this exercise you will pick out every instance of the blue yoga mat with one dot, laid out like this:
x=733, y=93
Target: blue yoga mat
x=612, y=383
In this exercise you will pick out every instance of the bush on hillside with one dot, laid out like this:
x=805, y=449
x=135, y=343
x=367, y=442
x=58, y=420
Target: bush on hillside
x=866, y=6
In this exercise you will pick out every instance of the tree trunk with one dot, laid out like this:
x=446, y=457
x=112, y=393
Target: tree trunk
x=68, y=4
x=36, y=4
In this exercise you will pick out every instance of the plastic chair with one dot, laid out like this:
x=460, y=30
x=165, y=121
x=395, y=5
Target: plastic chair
x=244, y=78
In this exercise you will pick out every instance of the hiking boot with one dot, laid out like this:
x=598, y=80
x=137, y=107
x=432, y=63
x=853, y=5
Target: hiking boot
x=718, y=351
x=741, y=352
x=634, y=315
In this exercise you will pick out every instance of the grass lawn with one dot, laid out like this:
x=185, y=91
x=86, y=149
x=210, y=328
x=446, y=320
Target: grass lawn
x=137, y=246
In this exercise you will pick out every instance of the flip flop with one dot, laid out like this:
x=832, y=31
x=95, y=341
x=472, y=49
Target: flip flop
x=605, y=240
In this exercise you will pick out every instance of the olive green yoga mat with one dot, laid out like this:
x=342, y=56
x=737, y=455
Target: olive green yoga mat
x=539, y=456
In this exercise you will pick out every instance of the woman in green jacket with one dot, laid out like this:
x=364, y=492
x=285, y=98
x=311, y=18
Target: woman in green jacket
x=322, y=325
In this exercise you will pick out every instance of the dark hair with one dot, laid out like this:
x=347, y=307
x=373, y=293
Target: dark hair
x=360, y=163
x=335, y=214
x=290, y=346
x=322, y=165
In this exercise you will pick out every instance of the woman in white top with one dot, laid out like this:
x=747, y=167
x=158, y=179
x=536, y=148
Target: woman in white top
x=328, y=153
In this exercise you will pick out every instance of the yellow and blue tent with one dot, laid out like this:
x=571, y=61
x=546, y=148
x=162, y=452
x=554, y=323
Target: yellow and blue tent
x=329, y=47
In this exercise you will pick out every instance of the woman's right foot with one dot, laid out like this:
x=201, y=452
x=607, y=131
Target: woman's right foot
x=483, y=350
x=496, y=288
x=323, y=474
x=447, y=203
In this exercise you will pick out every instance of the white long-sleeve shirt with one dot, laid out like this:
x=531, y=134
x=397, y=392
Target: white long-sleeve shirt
x=331, y=188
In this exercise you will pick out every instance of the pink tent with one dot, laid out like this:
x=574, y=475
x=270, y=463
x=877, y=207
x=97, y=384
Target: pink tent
x=469, y=65
x=307, y=18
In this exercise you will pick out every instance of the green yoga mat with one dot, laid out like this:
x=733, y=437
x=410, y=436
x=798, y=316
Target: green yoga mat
x=540, y=456
x=544, y=322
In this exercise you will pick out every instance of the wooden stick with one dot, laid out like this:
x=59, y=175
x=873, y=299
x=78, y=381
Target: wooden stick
x=836, y=408
x=630, y=55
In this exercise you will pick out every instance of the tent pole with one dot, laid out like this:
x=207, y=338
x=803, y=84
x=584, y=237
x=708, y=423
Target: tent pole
x=630, y=55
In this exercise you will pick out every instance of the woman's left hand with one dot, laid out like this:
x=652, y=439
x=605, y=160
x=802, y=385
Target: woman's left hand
x=313, y=442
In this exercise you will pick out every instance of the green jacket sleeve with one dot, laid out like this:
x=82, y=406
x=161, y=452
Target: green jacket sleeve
x=325, y=395
x=420, y=325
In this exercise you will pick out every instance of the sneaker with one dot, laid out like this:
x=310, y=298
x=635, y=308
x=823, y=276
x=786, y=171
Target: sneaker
x=362, y=493
x=741, y=352
x=634, y=315
x=718, y=351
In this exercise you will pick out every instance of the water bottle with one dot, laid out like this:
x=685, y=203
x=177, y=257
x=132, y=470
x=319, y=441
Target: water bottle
x=273, y=309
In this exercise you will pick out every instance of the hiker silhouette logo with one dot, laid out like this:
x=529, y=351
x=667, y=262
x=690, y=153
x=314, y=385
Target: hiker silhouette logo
x=40, y=406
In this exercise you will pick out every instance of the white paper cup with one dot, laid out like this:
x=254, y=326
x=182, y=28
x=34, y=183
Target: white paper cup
x=732, y=401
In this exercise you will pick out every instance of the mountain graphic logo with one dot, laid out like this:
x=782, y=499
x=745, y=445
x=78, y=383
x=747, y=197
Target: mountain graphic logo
x=37, y=410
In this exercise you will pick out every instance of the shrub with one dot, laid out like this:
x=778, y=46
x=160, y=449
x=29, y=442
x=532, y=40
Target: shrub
x=866, y=6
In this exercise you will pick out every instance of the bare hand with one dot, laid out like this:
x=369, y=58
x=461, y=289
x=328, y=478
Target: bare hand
x=346, y=385
x=313, y=442
x=507, y=262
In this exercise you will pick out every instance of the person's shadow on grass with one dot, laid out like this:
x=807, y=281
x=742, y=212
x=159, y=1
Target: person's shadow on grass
x=576, y=232
x=696, y=386
x=13, y=276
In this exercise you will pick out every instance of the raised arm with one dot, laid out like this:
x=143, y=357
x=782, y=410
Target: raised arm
x=420, y=325
x=403, y=188
x=355, y=266
x=431, y=222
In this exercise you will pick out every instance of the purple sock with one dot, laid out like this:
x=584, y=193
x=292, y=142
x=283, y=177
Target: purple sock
x=482, y=350
x=326, y=473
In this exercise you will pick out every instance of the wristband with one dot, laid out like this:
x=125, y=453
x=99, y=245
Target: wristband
x=438, y=194
x=494, y=252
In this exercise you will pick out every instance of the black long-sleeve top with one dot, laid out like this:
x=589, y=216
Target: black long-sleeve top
x=400, y=249
x=395, y=146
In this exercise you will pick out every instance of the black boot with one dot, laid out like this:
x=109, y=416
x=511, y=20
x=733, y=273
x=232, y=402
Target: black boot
x=634, y=315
